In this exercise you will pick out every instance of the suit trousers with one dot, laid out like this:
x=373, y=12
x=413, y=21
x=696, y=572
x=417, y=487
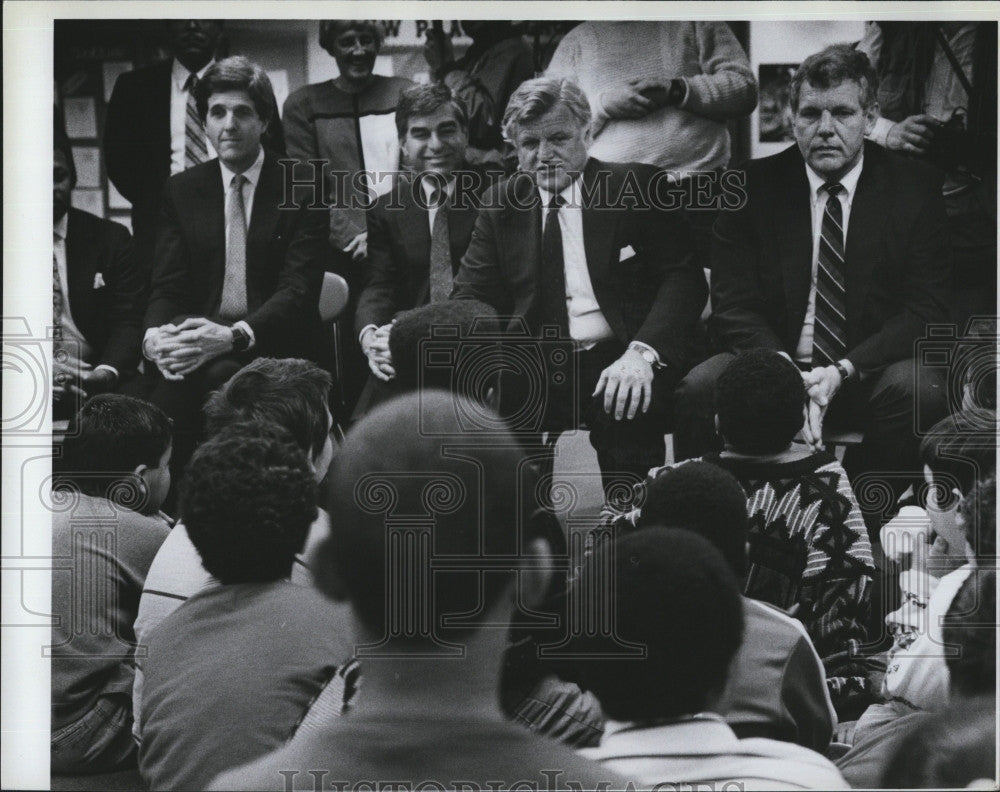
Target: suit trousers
x=890, y=407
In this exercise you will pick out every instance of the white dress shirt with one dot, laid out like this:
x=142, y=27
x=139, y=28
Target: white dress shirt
x=817, y=201
x=178, y=115
x=587, y=325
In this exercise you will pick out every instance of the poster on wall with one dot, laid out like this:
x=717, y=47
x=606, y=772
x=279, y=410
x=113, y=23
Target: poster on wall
x=775, y=109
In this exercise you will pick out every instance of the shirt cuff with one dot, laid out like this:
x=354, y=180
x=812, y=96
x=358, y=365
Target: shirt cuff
x=851, y=370
x=107, y=367
x=248, y=330
x=145, y=342
x=656, y=354
x=365, y=329
x=881, y=131
x=682, y=104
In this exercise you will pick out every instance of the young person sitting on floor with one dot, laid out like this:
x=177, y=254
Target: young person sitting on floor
x=106, y=528
x=809, y=549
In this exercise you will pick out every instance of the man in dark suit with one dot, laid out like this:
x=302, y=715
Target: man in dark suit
x=418, y=233
x=848, y=309
x=584, y=246
x=151, y=130
x=97, y=297
x=235, y=276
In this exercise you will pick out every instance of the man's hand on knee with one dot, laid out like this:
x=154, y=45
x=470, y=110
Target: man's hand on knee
x=626, y=384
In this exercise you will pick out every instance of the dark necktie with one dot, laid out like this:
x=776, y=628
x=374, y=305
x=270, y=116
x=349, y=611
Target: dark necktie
x=552, y=302
x=233, y=305
x=195, y=147
x=440, y=273
x=830, y=324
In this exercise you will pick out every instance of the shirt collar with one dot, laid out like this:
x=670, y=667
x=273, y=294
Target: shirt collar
x=704, y=733
x=849, y=180
x=59, y=226
x=179, y=73
x=428, y=185
x=570, y=194
x=252, y=174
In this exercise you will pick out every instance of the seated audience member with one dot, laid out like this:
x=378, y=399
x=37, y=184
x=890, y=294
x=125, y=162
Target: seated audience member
x=97, y=296
x=777, y=685
x=676, y=596
x=846, y=307
x=290, y=393
x=234, y=277
x=418, y=233
x=958, y=744
x=116, y=459
x=232, y=671
x=428, y=714
x=916, y=676
x=809, y=550
x=928, y=543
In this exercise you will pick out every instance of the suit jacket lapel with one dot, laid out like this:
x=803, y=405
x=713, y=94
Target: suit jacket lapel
x=599, y=230
x=414, y=230
x=460, y=222
x=522, y=228
x=863, y=249
x=159, y=103
x=263, y=226
x=80, y=268
x=793, y=228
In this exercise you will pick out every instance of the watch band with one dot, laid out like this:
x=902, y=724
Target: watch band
x=842, y=369
x=241, y=339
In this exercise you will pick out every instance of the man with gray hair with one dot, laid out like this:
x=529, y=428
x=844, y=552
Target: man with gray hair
x=599, y=251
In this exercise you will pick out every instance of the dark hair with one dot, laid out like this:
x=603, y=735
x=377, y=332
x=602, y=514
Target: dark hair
x=946, y=750
x=759, y=399
x=329, y=29
x=60, y=142
x=961, y=449
x=422, y=100
x=290, y=392
x=830, y=67
x=237, y=74
x=451, y=324
x=970, y=625
x=705, y=499
x=474, y=504
x=248, y=500
x=978, y=511
x=109, y=438
x=674, y=595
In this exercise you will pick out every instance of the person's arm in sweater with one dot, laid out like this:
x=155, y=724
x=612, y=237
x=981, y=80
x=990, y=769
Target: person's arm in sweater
x=726, y=87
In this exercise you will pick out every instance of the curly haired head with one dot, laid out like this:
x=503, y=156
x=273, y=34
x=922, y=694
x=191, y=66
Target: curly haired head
x=759, y=399
x=248, y=501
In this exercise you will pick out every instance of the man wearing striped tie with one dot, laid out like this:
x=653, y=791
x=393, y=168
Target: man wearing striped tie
x=152, y=131
x=838, y=259
x=236, y=271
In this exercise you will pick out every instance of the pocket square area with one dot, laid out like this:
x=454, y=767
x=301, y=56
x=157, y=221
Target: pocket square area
x=625, y=253
x=98, y=281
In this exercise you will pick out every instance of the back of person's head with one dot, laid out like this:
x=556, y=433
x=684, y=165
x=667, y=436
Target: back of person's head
x=833, y=66
x=705, y=499
x=970, y=625
x=947, y=750
x=435, y=346
x=961, y=449
x=759, y=400
x=292, y=393
x=405, y=465
x=114, y=447
x=424, y=100
x=237, y=73
x=978, y=515
x=675, y=595
x=247, y=501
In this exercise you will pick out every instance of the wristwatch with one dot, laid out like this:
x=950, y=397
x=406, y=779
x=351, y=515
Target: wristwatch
x=842, y=370
x=647, y=354
x=241, y=339
x=676, y=93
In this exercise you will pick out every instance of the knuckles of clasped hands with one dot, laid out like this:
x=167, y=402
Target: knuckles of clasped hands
x=180, y=349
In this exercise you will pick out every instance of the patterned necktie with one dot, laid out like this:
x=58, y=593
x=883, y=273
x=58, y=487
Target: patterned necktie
x=234, y=285
x=829, y=327
x=195, y=147
x=58, y=301
x=441, y=273
x=553, y=297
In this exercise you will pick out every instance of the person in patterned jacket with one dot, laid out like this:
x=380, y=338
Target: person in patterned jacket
x=809, y=551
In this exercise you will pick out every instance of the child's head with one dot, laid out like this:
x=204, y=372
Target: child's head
x=956, y=453
x=759, y=402
x=116, y=440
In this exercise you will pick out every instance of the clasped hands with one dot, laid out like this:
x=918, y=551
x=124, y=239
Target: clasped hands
x=375, y=345
x=822, y=384
x=178, y=350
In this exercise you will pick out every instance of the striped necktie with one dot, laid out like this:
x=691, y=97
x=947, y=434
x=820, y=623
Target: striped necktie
x=233, y=305
x=830, y=325
x=441, y=272
x=195, y=146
